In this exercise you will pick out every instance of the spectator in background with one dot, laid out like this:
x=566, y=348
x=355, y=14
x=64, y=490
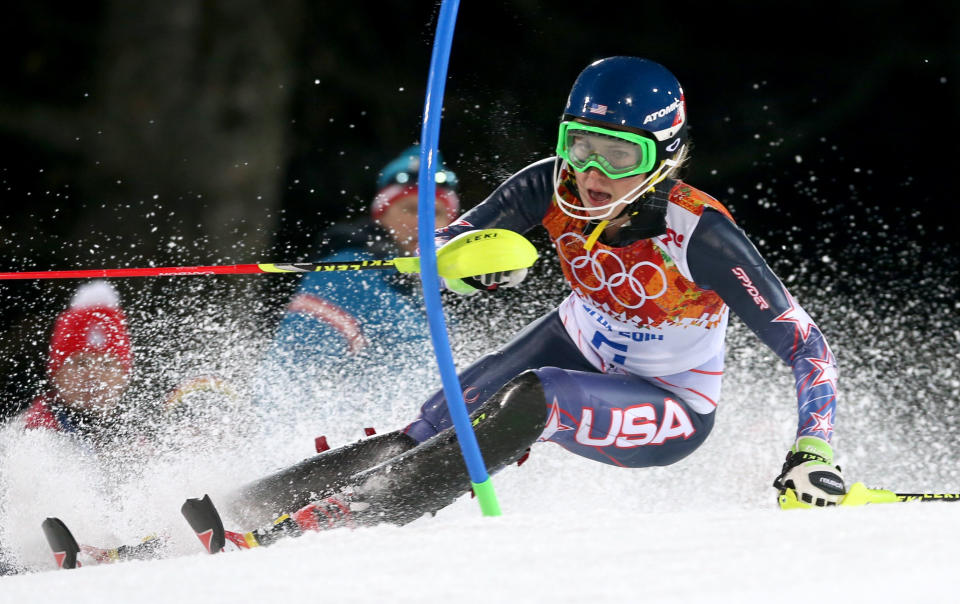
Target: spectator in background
x=372, y=320
x=88, y=366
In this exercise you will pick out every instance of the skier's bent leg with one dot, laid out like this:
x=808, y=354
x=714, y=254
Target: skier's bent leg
x=617, y=419
x=623, y=420
x=434, y=474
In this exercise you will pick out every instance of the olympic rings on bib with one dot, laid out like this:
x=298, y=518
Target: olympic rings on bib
x=620, y=283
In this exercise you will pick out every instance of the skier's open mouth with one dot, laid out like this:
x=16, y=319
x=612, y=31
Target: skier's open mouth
x=597, y=198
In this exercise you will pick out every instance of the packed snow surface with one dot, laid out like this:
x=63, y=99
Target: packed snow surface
x=569, y=543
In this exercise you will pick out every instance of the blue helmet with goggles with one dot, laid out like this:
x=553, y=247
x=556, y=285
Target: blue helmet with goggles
x=626, y=117
x=405, y=169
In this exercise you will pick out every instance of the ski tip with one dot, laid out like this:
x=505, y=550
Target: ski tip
x=61, y=542
x=193, y=503
x=204, y=519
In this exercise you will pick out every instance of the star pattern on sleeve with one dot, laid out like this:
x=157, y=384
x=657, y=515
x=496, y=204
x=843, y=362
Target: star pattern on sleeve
x=796, y=315
x=823, y=424
x=826, y=372
x=554, y=423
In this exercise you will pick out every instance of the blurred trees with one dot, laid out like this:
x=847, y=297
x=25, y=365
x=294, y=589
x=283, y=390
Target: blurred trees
x=187, y=106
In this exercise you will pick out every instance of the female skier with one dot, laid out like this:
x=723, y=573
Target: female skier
x=627, y=370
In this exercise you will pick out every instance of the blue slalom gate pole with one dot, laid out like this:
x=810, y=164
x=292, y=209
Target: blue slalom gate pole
x=429, y=137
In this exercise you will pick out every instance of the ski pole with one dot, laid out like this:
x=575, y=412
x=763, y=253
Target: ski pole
x=859, y=494
x=472, y=253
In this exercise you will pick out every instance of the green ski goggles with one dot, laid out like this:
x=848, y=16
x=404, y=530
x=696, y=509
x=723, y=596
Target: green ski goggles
x=615, y=153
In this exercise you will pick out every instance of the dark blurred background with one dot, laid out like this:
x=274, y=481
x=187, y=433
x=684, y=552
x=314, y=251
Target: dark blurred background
x=234, y=131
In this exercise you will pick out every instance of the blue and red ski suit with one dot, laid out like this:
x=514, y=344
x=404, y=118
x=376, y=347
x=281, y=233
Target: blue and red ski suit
x=631, y=362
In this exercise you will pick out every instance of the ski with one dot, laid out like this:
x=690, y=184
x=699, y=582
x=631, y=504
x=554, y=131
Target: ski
x=859, y=494
x=379, y=480
x=204, y=519
x=66, y=550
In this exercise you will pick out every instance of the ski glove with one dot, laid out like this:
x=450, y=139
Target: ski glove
x=488, y=282
x=809, y=470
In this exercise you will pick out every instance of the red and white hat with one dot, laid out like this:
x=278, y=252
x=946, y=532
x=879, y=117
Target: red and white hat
x=445, y=197
x=94, y=322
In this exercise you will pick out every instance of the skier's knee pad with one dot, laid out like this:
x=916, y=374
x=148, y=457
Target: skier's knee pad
x=294, y=487
x=511, y=420
x=433, y=474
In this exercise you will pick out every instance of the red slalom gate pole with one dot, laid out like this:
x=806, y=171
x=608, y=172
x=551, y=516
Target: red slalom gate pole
x=484, y=251
x=232, y=269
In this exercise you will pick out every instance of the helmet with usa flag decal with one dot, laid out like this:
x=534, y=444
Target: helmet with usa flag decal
x=637, y=106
